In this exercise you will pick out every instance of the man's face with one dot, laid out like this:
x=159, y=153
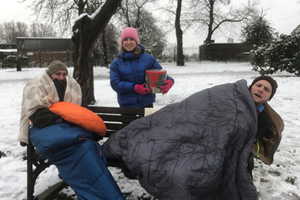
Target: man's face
x=59, y=75
x=261, y=92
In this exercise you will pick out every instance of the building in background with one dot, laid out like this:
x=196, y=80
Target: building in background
x=296, y=30
x=42, y=51
x=225, y=52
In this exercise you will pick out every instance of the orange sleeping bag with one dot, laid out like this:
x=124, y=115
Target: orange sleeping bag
x=79, y=115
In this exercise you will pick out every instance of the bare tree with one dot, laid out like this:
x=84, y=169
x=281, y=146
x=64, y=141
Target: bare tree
x=180, y=56
x=214, y=13
x=42, y=30
x=9, y=31
x=131, y=12
x=85, y=30
x=106, y=47
x=179, y=14
x=59, y=12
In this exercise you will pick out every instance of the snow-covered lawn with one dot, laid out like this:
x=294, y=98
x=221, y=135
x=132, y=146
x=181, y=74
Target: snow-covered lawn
x=276, y=182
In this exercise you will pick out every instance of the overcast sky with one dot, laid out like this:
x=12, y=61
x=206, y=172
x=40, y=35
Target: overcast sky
x=284, y=16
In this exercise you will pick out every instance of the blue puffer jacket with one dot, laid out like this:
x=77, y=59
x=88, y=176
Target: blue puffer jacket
x=126, y=72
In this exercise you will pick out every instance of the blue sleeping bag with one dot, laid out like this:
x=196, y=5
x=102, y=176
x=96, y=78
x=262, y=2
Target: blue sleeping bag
x=79, y=159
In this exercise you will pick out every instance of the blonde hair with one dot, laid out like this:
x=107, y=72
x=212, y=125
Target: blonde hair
x=137, y=51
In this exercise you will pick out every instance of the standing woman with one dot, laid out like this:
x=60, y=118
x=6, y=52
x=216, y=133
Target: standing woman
x=127, y=72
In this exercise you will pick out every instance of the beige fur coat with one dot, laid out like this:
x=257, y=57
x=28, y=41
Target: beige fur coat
x=39, y=93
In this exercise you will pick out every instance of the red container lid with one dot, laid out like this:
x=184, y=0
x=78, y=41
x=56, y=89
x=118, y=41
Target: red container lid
x=156, y=71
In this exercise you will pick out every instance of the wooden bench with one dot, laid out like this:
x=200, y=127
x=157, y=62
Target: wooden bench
x=115, y=118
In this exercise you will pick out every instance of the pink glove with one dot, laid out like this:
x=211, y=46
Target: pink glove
x=140, y=89
x=167, y=86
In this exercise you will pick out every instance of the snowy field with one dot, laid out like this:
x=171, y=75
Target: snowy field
x=276, y=182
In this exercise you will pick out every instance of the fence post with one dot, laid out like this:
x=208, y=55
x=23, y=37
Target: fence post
x=175, y=53
x=68, y=57
x=40, y=58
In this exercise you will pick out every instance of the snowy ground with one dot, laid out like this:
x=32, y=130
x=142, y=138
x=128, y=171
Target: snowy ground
x=276, y=182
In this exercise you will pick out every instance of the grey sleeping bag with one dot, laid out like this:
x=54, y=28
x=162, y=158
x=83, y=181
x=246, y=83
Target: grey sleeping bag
x=195, y=149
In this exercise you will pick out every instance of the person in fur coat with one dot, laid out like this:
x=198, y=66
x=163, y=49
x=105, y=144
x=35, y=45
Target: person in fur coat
x=73, y=149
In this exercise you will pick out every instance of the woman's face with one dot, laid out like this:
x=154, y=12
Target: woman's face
x=129, y=44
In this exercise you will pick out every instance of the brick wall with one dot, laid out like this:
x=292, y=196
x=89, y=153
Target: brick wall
x=43, y=58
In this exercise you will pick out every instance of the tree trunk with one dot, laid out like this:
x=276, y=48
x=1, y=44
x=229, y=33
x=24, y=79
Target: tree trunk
x=85, y=33
x=180, y=56
x=19, y=68
x=210, y=23
x=105, y=57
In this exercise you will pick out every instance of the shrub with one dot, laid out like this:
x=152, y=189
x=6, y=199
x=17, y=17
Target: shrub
x=280, y=55
x=2, y=154
x=258, y=31
x=291, y=180
x=17, y=61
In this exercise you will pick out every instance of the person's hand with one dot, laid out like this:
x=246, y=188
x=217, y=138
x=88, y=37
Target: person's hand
x=168, y=84
x=140, y=89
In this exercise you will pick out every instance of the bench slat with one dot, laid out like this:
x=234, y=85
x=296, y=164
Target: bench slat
x=114, y=127
x=116, y=110
x=118, y=118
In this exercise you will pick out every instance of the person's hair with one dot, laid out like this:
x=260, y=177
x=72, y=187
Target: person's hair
x=136, y=51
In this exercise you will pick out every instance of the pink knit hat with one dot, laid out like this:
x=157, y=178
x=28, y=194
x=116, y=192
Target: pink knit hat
x=129, y=32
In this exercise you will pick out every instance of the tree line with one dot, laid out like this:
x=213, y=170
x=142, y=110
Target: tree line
x=9, y=31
